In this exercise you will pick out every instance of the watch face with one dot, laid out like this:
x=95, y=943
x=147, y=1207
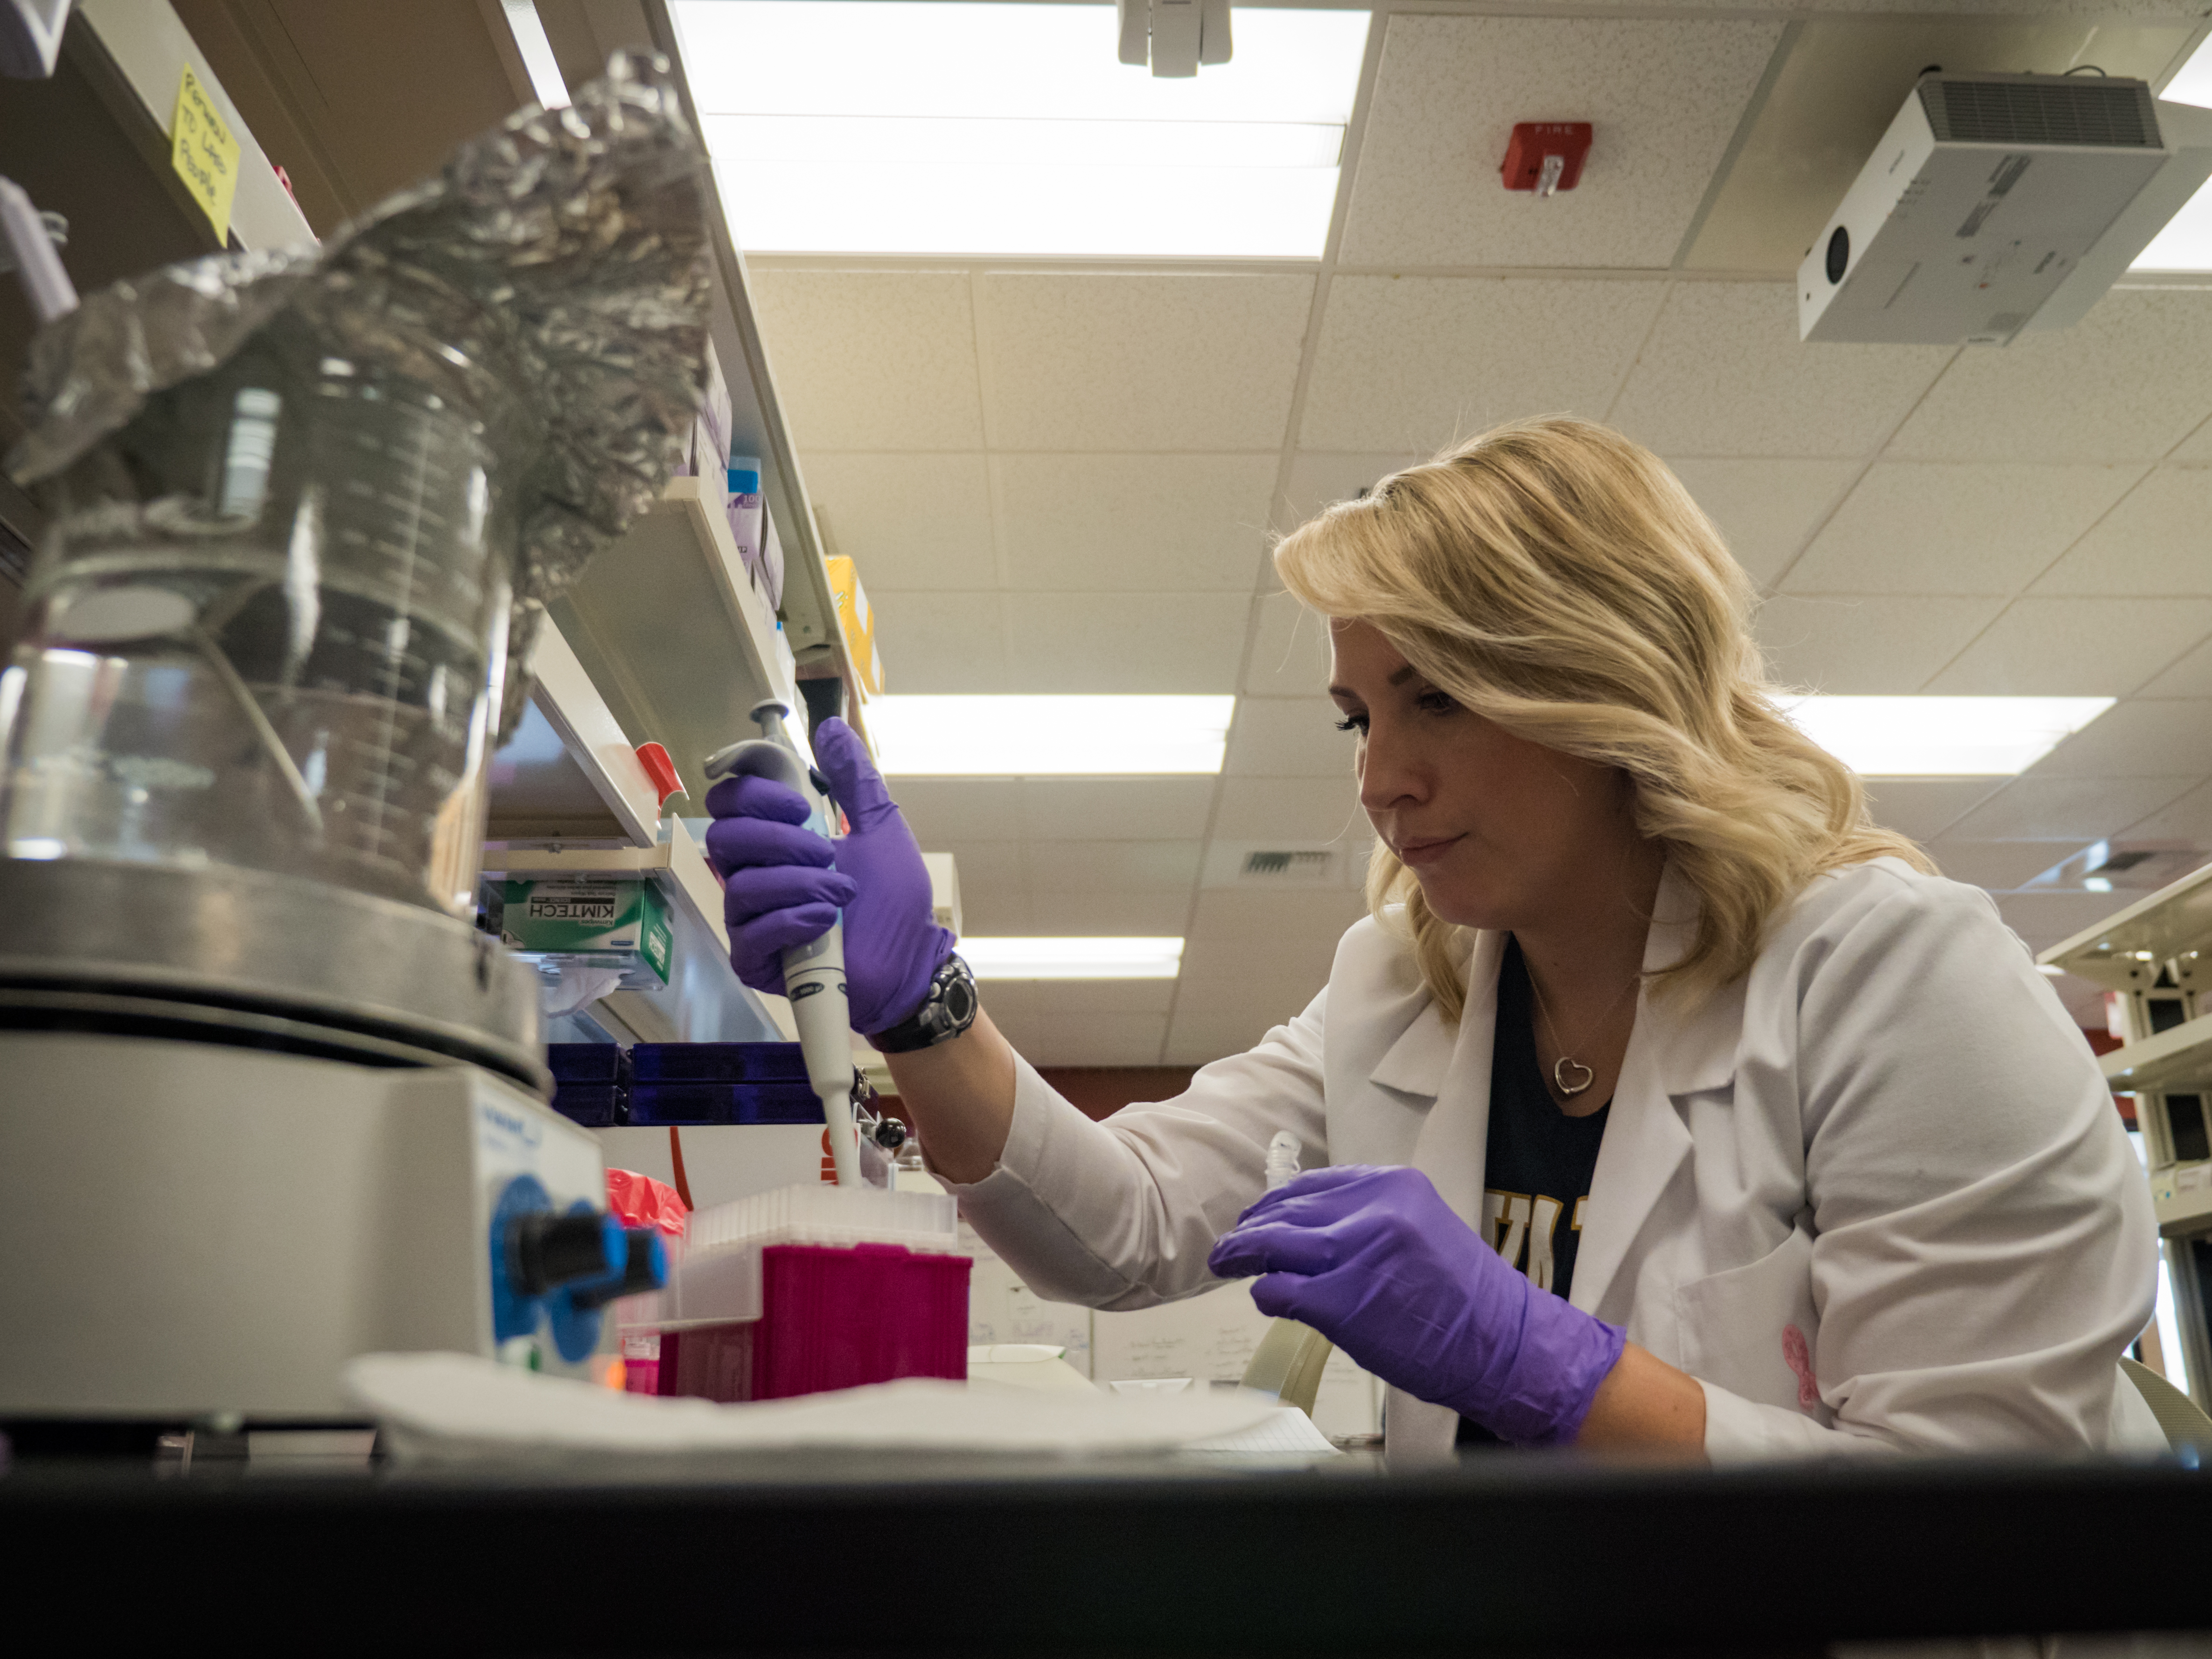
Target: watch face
x=960, y=1000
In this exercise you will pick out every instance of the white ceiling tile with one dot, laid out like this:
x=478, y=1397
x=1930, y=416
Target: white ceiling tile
x=2126, y=383
x=910, y=521
x=1419, y=363
x=952, y=812
x=1257, y=920
x=941, y=642
x=1187, y=643
x=1278, y=944
x=996, y=913
x=872, y=359
x=1764, y=508
x=1849, y=645
x=1724, y=374
x=2075, y=648
x=996, y=865
x=2137, y=738
x=1272, y=997
x=1999, y=864
x=1115, y=808
x=1288, y=809
x=1924, y=808
x=1664, y=95
x=1113, y=866
x=1159, y=523
x=2188, y=817
x=2197, y=448
x=1130, y=361
x=1290, y=650
x=2056, y=808
x=1061, y=913
x=1075, y=999
x=1321, y=478
x=1288, y=737
x=2159, y=540
x=2191, y=677
x=2057, y=916
x=1912, y=527
x=1088, y=1039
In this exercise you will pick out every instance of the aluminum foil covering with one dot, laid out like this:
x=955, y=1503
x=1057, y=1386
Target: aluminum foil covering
x=557, y=266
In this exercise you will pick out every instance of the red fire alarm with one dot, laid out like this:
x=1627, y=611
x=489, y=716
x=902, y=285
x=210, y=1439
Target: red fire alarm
x=1546, y=156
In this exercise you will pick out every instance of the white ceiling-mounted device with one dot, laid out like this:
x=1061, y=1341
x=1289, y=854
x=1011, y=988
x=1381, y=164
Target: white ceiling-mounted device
x=1997, y=202
x=1174, y=36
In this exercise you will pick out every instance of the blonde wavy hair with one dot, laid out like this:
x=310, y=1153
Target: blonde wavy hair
x=1557, y=578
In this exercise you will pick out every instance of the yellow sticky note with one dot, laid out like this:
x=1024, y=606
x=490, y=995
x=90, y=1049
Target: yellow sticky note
x=204, y=152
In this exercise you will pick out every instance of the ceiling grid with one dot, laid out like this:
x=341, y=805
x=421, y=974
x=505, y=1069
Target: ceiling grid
x=1092, y=425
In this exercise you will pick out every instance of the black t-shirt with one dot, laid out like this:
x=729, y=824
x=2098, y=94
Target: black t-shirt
x=1539, y=1161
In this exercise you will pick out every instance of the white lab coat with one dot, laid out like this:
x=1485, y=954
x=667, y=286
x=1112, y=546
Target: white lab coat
x=1873, y=1195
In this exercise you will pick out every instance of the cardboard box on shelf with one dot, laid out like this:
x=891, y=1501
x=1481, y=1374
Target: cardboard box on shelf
x=858, y=621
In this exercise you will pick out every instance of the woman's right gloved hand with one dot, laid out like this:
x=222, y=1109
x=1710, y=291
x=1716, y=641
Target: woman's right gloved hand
x=782, y=885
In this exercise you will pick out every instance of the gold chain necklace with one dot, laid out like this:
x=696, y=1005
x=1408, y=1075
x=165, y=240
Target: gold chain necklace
x=1566, y=1060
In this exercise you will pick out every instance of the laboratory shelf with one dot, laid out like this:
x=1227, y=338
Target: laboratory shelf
x=703, y=1001
x=92, y=143
x=2125, y=951
x=2173, y=1062
x=2181, y=1193
x=669, y=627
x=568, y=771
x=816, y=1552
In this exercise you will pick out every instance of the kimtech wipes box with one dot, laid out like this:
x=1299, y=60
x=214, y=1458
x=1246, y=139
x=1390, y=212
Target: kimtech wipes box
x=617, y=921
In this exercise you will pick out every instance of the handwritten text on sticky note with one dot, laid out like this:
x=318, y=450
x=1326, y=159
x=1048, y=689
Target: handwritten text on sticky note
x=204, y=152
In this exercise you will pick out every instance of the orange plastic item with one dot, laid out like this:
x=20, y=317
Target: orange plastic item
x=661, y=769
x=642, y=1201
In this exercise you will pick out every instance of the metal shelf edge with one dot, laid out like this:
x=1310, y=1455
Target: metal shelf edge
x=2078, y=954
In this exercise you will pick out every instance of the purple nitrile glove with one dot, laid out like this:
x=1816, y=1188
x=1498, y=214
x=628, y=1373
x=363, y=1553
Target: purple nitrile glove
x=1379, y=1264
x=782, y=885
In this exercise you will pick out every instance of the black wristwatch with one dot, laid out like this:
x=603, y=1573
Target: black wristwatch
x=948, y=1010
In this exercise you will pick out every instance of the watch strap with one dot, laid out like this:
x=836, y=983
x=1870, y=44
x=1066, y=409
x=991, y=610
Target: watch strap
x=947, y=1009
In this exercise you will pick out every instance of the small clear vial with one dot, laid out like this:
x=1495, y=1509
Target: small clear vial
x=1282, y=1154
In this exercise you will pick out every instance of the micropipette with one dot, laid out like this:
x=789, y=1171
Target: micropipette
x=813, y=972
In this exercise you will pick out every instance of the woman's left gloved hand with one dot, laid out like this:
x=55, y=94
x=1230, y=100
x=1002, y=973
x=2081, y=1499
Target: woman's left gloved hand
x=1377, y=1262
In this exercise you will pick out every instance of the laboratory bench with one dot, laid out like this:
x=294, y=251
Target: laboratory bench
x=1519, y=1553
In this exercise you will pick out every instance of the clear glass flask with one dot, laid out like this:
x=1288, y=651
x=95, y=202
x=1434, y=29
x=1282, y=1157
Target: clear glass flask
x=267, y=629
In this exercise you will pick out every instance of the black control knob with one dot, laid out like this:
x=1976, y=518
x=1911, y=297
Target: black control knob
x=544, y=1250
x=645, y=1268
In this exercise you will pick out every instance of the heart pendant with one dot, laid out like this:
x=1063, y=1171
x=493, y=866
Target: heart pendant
x=1570, y=1085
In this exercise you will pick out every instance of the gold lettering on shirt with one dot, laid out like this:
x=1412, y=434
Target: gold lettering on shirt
x=1518, y=1223
x=1541, y=1229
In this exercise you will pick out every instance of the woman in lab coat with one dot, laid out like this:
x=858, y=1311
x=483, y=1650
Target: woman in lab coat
x=1663, y=1100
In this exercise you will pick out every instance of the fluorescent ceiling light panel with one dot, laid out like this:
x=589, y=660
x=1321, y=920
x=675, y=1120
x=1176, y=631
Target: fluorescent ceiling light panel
x=927, y=127
x=545, y=70
x=1073, y=958
x=1940, y=737
x=2193, y=84
x=2185, y=244
x=977, y=737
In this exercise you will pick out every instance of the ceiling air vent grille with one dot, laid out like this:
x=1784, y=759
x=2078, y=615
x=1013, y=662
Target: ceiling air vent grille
x=1287, y=864
x=2076, y=110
